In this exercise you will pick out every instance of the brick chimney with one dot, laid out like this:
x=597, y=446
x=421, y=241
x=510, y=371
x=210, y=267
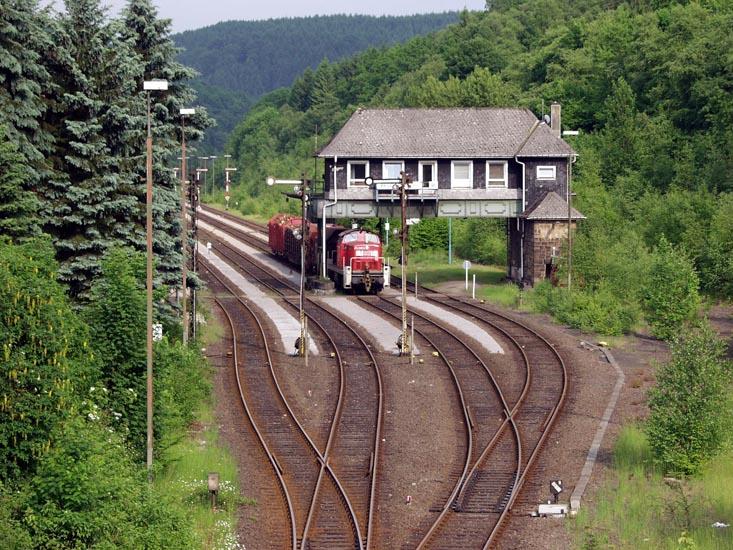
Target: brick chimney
x=555, y=118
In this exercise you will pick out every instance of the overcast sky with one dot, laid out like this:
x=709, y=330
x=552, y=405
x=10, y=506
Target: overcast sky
x=192, y=14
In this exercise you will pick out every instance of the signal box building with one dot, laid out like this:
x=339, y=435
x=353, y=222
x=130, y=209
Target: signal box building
x=493, y=162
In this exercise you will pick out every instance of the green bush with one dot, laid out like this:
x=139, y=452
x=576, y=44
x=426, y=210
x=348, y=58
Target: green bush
x=688, y=408
x=180, y=386
x=670, y=295
x=45, y=357
x=88, y=493
x=598, y=311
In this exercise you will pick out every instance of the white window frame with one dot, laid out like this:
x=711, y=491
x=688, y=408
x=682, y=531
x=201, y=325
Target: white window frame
x=385, y=162
x=547, y=178
x=461, y=184
x=431, y=184
x=353, y=182
x=493, y=183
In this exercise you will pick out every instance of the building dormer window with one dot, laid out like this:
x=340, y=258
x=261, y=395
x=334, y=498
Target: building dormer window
x=497, y=173
x=357, y=171
x=461, y=174
x=427, y=174
x=546, y=172
x=391, y=169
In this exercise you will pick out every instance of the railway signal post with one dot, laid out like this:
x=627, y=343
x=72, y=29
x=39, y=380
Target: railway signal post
x=301, y=188
x=405, y=342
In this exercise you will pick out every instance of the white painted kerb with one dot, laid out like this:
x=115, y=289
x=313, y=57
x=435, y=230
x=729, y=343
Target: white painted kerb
x=286, y=324
x=381, y=331
x=262, y=257
x=469, y=328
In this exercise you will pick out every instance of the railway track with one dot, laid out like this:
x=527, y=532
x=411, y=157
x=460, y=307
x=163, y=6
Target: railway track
x=281, y=528
x=488, y=487
x=491, y=464
x=353, y=447
x=322, y=513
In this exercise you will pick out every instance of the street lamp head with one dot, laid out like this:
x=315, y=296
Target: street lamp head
x=227, y=156
x=212, y=157
x=187, y=112
x=155, y=84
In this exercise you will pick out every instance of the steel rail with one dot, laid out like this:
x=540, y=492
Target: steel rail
x=320, y=457
x=505, y=409
x=263, y=444
x=553, y=413
x=372, y=360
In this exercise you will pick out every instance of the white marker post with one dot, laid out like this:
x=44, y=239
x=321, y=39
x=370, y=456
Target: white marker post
x=466, y=266
x=473, y=292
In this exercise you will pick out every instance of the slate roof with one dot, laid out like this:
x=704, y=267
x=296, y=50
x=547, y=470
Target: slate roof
x=551, y=207
x=445, y=133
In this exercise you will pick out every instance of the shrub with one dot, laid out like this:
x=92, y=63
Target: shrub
x=88, y=493
x=180, y=386
x=597, y=311
x=688, y=411
x=44, y=355
x=670, y=296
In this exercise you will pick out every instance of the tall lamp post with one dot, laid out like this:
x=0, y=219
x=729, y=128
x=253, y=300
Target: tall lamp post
x=205, y=169
x=184, y=222
x=148, y=86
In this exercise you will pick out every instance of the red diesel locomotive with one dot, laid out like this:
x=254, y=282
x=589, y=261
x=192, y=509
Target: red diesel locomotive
x=354, y=258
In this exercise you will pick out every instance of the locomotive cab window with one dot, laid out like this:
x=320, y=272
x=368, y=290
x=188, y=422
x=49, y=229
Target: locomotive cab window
x=358, y=170
x=371, y=238
x=350, y=238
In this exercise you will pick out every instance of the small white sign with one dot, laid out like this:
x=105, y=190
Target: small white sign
x=157, y=332
x=386, y=226
x=412, y=221
x=466, y=264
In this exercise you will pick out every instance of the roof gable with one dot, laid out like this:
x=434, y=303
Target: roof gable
x=444, y=133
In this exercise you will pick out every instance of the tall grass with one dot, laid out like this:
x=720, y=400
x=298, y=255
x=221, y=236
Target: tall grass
x=638, y=508
x=189, y=462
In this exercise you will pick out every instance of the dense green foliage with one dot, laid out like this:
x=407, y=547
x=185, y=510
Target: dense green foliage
x=18, y=204
x=71, y=101
x=670, y=293
x=45, y=356
x=648, y=84
x=72, y=408
x=239, y=61
x=690, y=403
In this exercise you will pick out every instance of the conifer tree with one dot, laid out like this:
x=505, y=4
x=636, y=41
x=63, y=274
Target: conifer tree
x=22, y=79
x=85, y=199
x=149, y=38
x=18, y=205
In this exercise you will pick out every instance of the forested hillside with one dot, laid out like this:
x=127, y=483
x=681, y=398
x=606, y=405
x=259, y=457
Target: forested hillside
x=648, y=83
x=239, y=61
